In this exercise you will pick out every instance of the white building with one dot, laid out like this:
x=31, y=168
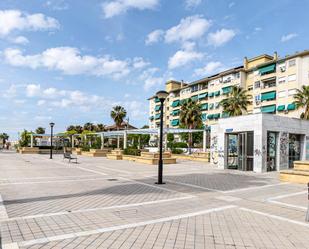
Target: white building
x=259, y=142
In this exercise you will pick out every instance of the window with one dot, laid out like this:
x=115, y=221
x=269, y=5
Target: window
x=237, y=75
x=281, y=80
x=194, y=88
x=292, y=92
x=282, y=94
x=282, y=67
x=250, y=88
x=292, y=77
x=292, y=63
x=257, y=84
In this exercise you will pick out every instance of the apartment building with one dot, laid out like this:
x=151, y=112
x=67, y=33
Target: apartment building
x=271, y=80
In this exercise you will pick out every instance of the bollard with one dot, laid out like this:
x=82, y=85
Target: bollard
x=307, y=216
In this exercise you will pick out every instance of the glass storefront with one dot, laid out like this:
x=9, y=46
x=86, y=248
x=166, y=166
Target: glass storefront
x=240, y=151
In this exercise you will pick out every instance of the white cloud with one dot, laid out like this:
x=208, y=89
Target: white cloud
x=11, y=92
x=150, y=78
x=288, y=37
x=210, y=68
x=192, y=3
x=154, y=36
x=41, y=102
x=69, y=61
x=20, y=40
x=183, y=57
x=33, y=90
x=117, y=7
x=221, y=37
x=42, y=118
x=231, y=4
x=189, y=28
x=139, y=62
x=57, y=4
x=12, y=20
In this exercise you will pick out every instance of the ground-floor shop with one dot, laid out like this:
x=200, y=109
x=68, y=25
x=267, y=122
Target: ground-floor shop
x=259, y=142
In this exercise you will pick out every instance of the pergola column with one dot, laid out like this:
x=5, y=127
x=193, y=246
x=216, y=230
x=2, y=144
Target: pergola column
x=72, y=141
x=125, y=140
x=204, y=140
x=102, y=141
x=31, y=140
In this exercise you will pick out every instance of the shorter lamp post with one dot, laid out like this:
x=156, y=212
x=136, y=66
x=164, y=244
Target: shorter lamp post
x=51, y=140
x=161, y=95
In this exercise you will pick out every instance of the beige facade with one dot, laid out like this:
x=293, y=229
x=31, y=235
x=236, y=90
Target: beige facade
x=271, y=80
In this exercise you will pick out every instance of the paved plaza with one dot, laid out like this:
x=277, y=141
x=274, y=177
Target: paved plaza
x=100, y=203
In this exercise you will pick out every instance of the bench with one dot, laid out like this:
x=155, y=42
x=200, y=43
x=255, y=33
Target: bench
x=69, y=156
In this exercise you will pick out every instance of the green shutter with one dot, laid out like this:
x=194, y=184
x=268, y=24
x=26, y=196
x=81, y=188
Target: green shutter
x=211, y=94
x=157, y=100
x=175, y=122
x=267, y=69
x=194, y=98
x=151, y=117
x=291, y=107
x=175, y=112
x=202, y=96
x=217, y=115
x=183, y=101
x=204, y=106
x=281, y=108
x=204, y=116
x=226, y=90
x=268, y=109
x=210, y=116
x=211, y=106
x=157, y=108
x=217, y=93
x=225, y=115
x=158, y=116
x=268, y=96
x=175, y=103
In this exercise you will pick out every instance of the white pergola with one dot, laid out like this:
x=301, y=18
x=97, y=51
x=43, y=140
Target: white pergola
x=125, y=133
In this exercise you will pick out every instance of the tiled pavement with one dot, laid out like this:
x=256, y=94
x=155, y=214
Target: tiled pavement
x=115, y=204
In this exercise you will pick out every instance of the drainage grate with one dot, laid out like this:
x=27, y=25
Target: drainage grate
x=112, y=179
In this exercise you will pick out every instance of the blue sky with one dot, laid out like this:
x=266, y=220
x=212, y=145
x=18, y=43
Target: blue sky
x=70, y=61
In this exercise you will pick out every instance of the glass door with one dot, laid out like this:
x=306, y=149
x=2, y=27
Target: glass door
x=242, y=151
x=232, y=151
x=271, y=151
x=294, y=149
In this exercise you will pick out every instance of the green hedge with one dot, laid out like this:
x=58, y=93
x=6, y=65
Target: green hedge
x=132, y=152
x=177, y=151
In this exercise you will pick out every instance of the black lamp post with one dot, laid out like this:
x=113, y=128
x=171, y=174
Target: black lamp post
x=51, y=140
x=161, y=95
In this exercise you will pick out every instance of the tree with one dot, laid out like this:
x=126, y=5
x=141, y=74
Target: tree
x=118, y=114
x=190, y=117
x=40, y=130
x=89, y=127
x=302, y=101
x=100, y=127
x=4, y=138
x=24, y=138
x=236, y=102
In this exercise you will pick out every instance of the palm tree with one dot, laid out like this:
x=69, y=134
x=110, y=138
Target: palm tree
x=89, y=126
x=302, y=101
x=190, y=116
x=118, y=114
x=40, y=130
x=237, y=102
x=100, y=127
x=4, y=138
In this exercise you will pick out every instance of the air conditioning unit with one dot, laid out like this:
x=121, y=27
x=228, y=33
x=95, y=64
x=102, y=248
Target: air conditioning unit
x=282, y=69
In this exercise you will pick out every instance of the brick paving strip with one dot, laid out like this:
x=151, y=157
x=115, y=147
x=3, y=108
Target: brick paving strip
x=113, y=228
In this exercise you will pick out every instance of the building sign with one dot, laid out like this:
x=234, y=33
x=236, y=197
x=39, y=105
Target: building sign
x=229, y=130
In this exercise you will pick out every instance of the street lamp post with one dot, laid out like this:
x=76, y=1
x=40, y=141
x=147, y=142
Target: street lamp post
x=51, y=140
x=161, y=95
